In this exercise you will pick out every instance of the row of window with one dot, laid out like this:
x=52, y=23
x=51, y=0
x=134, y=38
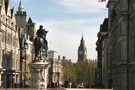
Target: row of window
x=56, y=69
x=9, y=39
x=10, y=59
x=7, y=21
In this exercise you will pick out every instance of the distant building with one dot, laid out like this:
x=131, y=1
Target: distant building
x=26, y=53
x=21, y=16
x=55, y=71
x=82, y=51
x=31, y=29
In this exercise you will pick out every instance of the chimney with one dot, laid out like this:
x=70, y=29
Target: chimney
x=69, y=60
x=64, y=58
x=59, y=57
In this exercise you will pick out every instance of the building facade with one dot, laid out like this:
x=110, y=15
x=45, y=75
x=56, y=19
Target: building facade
x=55, y=72
x=102, y=49
x=120, y=43
x=117, y=31
x=1, y=3
x=27, y=34
x=82, y=51
x=131, y=45
x=9, y=47
x=16, y=45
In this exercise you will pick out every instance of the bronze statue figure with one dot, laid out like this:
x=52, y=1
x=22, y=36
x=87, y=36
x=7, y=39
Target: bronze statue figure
x=40, y=42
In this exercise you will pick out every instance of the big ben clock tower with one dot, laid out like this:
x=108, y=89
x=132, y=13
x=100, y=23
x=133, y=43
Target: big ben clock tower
x=82, y=51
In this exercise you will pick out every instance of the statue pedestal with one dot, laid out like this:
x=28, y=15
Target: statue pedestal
x=38, y=74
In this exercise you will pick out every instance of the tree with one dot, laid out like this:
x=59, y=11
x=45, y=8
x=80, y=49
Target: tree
x=80, y=71
x=68, y=71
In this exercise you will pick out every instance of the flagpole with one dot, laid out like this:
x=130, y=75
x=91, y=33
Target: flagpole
x=105, y=9
x=105, y=1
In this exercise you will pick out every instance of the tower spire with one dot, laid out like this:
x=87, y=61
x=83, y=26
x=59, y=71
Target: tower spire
x=82, y=40
x=21, y=8
x=82, y=51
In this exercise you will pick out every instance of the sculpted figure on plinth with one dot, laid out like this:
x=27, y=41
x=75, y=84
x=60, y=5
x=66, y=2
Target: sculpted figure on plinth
x=39, y=66
x=40, y=43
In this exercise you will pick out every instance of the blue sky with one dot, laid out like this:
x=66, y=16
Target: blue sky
x=66, y=21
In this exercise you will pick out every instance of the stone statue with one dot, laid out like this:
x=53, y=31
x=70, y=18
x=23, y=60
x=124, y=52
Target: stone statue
x=38, y=67
x=37, y=78
x=40, y=43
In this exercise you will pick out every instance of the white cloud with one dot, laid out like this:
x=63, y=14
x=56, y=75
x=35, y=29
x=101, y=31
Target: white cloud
x=14, y=0
x=78, y=21
x=17, y=0
x=78, y=25
x=67, y=44
x=82, y=6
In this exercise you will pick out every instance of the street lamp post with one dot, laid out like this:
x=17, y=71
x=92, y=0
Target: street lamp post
x=25, y=63
x=13, y=81
x=88, y=77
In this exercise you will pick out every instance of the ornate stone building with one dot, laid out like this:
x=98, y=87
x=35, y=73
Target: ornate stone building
x=31, y=29
x=15, y=34
x=121, y=45
x=82, y=51
x=55, y=72
x=102, y=53
x=117, y=32
x=131, y=45
x=9, y=46
x=27, y=34
x=1, y=4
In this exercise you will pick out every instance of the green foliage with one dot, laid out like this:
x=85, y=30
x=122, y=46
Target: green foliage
x=80, y=71
x=68, y=71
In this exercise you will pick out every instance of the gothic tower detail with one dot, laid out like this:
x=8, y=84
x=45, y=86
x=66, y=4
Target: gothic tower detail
x=31, y=29
x=21, y=16
x=21, y=8
x=82, y=51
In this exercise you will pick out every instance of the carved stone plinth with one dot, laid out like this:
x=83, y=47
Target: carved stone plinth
x=38, y=76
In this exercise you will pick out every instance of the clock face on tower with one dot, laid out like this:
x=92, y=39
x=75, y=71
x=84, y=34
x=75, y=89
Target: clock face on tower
x=80, y=52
